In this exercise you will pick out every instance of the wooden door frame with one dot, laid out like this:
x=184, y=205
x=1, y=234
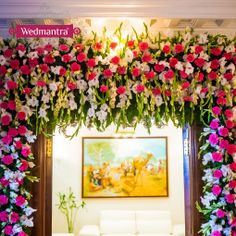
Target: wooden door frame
x=42, y=191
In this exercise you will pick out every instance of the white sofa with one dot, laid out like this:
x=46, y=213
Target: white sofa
x=134, y=223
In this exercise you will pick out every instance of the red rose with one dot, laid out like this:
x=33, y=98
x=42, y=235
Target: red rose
x=24, y=166
x=223, y=144
x=64, y=48
x=135, y=53
x=230, y=198
x=190, y=58
x=221, y=101
x=21, y=115
x=103, y=88
x=115, y=60
x=7, y=139
x=12, y=132
x=212, y=75
x=136, y=72
x=166, y=49
x=121, y=70
x=11, y=84
x=21, y=47
x=91, y=63
x=215, y=64
x=146, y=58
x=91, y=75
x=227, y=56
x=139, y=88
x=20, y=200
x=229, y=113
x=39, y=50
x=14, y=64
x=173, y=62
x=121, y=90
x=130, y=43
x=216, y=51
x=33, y=62
x=66, y=58
x=199, y=62
x=229, y=124
x=159, y=67
x=22, y=130
x=71, y=85
x=18, y=144
x=26, y=90
x=5, y=120
x=232, y=184
x=156, y=91
x=232, y=166
x=228, y=76
x=8, y=53
x=198, y=49
x=169, y=74
x=183, y=74
x=3, y=70
x=41, y=83
x=178, y=48
x=48, y=47
x=75, y=67
x=98, y=46
x=62, y=71
x=44, y=68
x=224, y=132
x=3, y=105
x=107, y=73
x=143, y=46
x=81, y=57
x=4, y=182
x=7, y=160
x=231, y=149
x=113, y=45
x=79, y=47
x=185, y=85
x=149, y=75
x=49, y=59
x=168, y=93
x=11, y=105
x=25, y=70
x=25, y=151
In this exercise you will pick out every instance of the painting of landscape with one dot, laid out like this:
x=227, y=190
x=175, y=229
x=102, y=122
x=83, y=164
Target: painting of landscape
x=124, y=167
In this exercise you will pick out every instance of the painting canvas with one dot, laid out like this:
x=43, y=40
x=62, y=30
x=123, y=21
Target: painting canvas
x=124, y=167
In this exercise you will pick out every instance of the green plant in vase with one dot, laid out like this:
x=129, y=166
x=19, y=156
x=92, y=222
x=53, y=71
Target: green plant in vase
x=69, y=206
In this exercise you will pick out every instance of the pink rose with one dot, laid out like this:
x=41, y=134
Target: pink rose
x=230, y=198
x=121, y=70
x=220, y=213
x=8, y=230
x=216, y=233
x=49, y=59
x=24, y=166
x=121, y=90
x=169, y=74
x=223, y=144
x=168, y=92
x=81, y=57
x=4, y=182
x=21, y=115
x=213, y=139
x=26, y=90
x=217, y=174
x=20, y=200
x=156, y=91
x=103, y=88
x=136, y=72
x=216, y=110
x=198, y=49
x=14, y=217
x=216, y=51
x=229, y=124
x=25, y=151
x=107, y=73
x=199, y=62
x=185, y=85
x=21, y=47
x=91, y=75
x=183, y=74
x=212, y=75
x=44, y=68
x=15, y=64
x=228, y=76
x=91, y=63
x=146, y=58
x=143, y=46
x=231, y=149
x=115, y=60
x=11, y=105
x=8, y=53
x=63, y=48
x=173, y=62
x=11, y=84
x=224, y=132
x=25, y=70
x=3, y=199
x=7, y=160
x=66, y=58
x=179, y=48
x=190, y=58
x=166, y=49
x=216, y=189
x=232, y=184
x=5, y=120
x=22, y=234
x=139, y=88
x=18, y=144
x=62, y=71
x=232, y=166
x=149, y=75
x=229, y=114
x=3, y=216
x=199, y=76
x=7, y=139
x=215, y=64
x=22, y=130
x=159, y=67
x=33, y=62
x=72, y=85
x=214, y=124
x=217, y=156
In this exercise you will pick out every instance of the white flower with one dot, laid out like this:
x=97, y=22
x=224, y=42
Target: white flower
x=30, y=138
x=113, y=67
x=33, y=102
x=27, y=222
x=158, y=100
x=145, y=67
x=72, y=104
x=101, y=115
x=2, y=60
x=82, y=85
x=46, y=98
x=33, y=54
x=17, y=229
x=202, y=39
x=53, y=86
x=230, y=48
x=43, y=112
x=29, y=210
x=179, y=66
x=104, y=107
x=14, y=186
x=206, y=158
x=91, y=112
x=55, y=69
x=128, y=57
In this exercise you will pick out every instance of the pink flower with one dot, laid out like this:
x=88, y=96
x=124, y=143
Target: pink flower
x=81, y=57
x=217, y=173
x=216, y=233
x=231, y=149
x=156, y=91
x=15, y=64
x=215, y=64
x=224, y=132
x=66, y=58
x=169, y=74
x=14, y=217
x=21, y=47
x=149, y=75
x=115, y=60
x=212, y=75
x=230, y=198
x=3, y=70
x=72, y=85
x=20, y=200
x=217, y=156
x=4, y=182
x=179, y=48
x=232, y=166
x=64, y=48
x=228, y=76
x=221, y=101
x=26, y=90
x=121, y=90
x=7, y=139
x=75, y=67
x=12, y=132
x=7, y=160
x=223, y=144
x=121, y=70
x=3, y=216
x=3, y=105
x=22, y=234
x=199, y=76
x=44, y=68
x=98, y=46
x=173, y=62
x=25, y=70
x=229, y=113
x=62, y=71
x=21, y=115
x=39, y=50
x=146, y=58
x=18, y=144
x=103, y=88
x=139, y=88
x=232, y=184
x=216, y=110
x=213, y=139
x=183, y=74
x=5, y=120
x=159, y=67
x=8, y=53
x=190, y=58
x=229, y=124
x=199, y=62
x=136, y=72
x=11, y=84
x=216, y=51
x=198, y=49
x=41, y=83
x=91, y=75
x=79, y=47
x=113, y=45
x=168, y=92
x=22, y=130
x=220, y=213
x=143, y=46
x=216, y=189
x=185, y=85
x=11, y=105
x=25, y=151
x=214, y=124
x=49, y=59
x=107, y=73
x=166, y=49
x=33, y=62
x=3, y=199
x=24, y=166
x=8, y=230
x=91, y=63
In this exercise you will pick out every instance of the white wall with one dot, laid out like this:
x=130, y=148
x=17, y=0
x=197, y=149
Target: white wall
x=67, y=172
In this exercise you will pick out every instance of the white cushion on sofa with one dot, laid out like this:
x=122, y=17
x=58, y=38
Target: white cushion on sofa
x=152, y=215
x=117, y=215
x=118, y=235
x=117, y=226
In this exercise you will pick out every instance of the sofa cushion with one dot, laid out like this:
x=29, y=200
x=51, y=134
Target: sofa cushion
x=118, y=235
x=152, y=215
x=89, y=230
x=117, y=215
x=153, y=234
x=117, y=227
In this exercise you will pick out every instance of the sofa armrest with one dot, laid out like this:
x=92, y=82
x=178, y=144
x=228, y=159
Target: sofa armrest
x=179, y=230
x=89, y=230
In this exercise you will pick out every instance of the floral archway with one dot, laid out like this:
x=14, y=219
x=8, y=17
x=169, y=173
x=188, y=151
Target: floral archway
x=97, y=81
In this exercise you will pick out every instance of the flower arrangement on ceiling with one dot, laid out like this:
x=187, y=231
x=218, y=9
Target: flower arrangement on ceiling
x=96, y=81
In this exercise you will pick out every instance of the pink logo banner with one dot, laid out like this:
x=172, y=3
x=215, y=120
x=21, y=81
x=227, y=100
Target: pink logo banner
x=45, y=31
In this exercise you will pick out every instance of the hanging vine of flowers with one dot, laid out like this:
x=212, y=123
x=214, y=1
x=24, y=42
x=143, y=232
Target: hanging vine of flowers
x=99, y=80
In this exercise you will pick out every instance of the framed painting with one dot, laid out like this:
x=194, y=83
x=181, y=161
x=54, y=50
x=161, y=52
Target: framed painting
x=124, y=167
